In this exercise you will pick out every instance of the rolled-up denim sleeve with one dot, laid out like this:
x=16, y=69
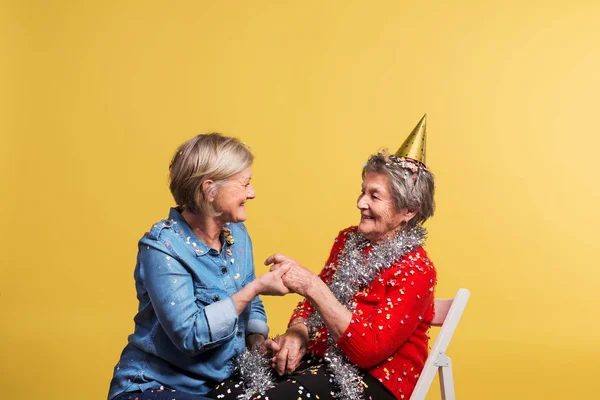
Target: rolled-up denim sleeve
x=258, y=326
x=192, y=327
x=222, y=318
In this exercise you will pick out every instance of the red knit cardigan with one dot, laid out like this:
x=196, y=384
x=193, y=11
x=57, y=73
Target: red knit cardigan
x=387, y=336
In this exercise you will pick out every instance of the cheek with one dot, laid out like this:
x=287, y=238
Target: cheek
x=386, y=216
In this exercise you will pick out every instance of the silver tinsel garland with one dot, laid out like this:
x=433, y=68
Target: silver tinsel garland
x=255, y=372
x=355, y=271
x=346, y=376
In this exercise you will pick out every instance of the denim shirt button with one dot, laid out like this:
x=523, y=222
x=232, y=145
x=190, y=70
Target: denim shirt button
x=240, y=333
x=216, y=298
x=224, y=270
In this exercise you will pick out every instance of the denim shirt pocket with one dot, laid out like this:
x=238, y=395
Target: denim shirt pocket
x=207, y=295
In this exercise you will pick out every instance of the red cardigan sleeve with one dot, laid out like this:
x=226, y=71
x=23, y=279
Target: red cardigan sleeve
x=305, y=309
x=370, y=339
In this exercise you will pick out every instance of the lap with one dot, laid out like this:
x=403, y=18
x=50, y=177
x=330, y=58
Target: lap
x=310, y=381
x=166, y=394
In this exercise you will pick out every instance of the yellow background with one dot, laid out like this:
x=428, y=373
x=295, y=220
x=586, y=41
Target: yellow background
x=95, y=97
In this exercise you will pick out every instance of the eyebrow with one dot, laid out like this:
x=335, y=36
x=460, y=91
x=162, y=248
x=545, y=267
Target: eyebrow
x=372, y=187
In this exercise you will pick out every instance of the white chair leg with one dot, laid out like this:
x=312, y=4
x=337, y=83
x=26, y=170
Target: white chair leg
x=447, y=382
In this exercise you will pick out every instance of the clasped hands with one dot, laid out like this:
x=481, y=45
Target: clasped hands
x=288, y=276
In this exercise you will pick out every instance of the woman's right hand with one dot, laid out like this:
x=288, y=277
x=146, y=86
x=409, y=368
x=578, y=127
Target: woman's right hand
x=288, y=349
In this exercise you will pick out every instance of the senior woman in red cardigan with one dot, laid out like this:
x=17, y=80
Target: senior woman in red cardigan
x=361, y=331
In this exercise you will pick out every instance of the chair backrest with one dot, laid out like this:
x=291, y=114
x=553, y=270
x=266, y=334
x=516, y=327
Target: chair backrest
x=447, y=314
x=441, y=307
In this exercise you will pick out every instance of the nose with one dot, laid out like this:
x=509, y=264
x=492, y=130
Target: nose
x=361, y=203
x=251, y=193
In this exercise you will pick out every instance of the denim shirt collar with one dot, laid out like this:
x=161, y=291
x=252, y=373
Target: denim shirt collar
x=181, y=226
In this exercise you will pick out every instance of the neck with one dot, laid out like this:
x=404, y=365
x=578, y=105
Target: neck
x=208, y=229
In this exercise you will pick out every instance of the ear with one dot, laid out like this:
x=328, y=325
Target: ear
x=208, y=188
x=408, y=215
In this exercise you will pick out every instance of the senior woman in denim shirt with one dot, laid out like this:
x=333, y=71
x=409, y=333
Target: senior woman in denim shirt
x=195, y=282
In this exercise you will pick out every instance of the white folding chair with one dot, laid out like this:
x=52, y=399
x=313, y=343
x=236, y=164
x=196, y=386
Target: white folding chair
x=447, y=315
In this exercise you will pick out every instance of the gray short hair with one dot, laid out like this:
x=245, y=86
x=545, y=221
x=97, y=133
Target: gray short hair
x=207, y=156
x=411, y=190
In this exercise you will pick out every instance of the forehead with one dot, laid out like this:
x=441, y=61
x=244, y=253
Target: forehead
x=375, y=181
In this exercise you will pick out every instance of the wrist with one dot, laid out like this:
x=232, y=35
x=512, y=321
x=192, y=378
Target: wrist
x=296, y=322
x=254, y=288
x=299, y=328
x=315, y=289
x=254, y=340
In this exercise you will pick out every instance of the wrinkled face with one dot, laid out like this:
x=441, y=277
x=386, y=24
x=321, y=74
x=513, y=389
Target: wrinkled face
x=380, y=219
x=232, y=195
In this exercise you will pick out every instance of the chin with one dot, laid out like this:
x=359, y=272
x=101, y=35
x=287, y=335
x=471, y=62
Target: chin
x=241, y=217
x=364, y=230
x=369, y=234
x=234, y=218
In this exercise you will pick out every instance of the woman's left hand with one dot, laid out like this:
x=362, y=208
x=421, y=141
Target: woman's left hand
x=291, y=347
x=271, y=283
x=254, y=341
x=297, y=279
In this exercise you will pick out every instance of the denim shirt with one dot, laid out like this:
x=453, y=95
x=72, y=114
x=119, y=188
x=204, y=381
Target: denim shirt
x=187, y=329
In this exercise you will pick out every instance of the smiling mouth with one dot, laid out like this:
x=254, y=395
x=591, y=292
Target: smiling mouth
x=366, y=217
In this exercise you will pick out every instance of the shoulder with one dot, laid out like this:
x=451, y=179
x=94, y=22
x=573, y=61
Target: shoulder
x=417, y=259
x=161, y=229
x=162, y=235
x=339, y=243
x=348, y=230
x=414, y=264
x=417, y=256
x=344, y=233
x=341, y=238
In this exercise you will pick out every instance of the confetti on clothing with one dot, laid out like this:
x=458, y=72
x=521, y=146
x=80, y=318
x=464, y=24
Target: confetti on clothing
x=387, y=336
x=160, y=394
x=310, y=381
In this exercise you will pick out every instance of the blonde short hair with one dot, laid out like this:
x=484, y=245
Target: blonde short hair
x=203, y=157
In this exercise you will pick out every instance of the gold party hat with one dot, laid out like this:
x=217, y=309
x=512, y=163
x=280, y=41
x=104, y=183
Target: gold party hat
x=414, y=145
